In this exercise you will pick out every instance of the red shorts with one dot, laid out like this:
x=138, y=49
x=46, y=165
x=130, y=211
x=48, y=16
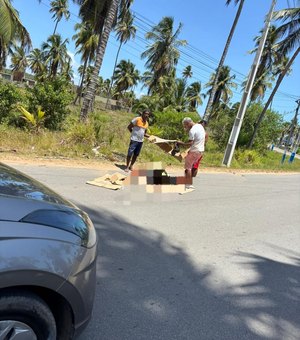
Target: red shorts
x=197, y=163
x=191, y=159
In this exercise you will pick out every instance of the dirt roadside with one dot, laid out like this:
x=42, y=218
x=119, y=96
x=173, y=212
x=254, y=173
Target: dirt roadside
x=12, y=159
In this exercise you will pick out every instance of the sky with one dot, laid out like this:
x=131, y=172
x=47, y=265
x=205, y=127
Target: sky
x=206, y=25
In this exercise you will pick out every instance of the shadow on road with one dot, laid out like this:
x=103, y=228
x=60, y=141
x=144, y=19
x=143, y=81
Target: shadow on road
x=149, y=289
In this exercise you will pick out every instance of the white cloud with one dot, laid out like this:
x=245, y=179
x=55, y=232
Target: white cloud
x=75, y=63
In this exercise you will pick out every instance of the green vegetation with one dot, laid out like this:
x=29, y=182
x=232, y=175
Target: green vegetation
x=53, y=96
x=35, y=120
x=106, y=133
x=9, y=97
x=43, y=120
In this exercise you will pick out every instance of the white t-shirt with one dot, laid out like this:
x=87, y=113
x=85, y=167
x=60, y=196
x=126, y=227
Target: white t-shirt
x=197, y=135
x=139, y=129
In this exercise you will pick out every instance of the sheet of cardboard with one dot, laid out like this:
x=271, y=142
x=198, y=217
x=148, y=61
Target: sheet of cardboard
x=112, y=182
x=167, y=146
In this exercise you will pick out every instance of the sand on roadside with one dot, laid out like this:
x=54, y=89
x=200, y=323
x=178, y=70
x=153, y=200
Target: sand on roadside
x=11, y=159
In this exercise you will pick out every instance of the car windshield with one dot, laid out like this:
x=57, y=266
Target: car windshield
x=14, y=183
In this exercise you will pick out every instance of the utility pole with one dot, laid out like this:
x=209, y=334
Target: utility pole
x=295, y=146
x=244, y=101
x=211, y=97
x=287, y=143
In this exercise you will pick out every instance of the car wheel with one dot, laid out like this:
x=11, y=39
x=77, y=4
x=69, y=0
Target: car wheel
x=25, y=316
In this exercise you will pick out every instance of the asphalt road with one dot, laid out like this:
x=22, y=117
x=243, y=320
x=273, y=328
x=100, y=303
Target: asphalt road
x=222, y=262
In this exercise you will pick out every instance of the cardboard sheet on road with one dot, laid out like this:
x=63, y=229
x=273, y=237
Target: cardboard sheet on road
x=112, y=182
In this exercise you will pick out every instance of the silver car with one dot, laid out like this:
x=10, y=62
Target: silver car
x=48, y=250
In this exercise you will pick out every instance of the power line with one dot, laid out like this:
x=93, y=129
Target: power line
x=198, y=59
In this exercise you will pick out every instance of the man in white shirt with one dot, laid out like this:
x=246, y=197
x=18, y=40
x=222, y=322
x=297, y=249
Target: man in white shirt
x=196, y=143
x=196, y=165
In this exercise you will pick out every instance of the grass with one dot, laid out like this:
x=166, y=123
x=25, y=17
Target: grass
x=107, y=130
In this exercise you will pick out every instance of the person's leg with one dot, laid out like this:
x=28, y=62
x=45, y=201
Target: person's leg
x=128, y=161
x=130, y=152
x=189, y=160
x=196, y=166
x=137, y=150
x=134, y=157
x=188, y=177
x=194, y=172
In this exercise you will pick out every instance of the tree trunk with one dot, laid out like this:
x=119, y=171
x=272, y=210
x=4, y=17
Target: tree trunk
x=278, y=82
x=112, y=77
x=55, y=27
x=221, y=63
x=79, y=93
x=91, y=88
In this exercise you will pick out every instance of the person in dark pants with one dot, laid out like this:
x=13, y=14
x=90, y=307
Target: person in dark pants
x=138, y=129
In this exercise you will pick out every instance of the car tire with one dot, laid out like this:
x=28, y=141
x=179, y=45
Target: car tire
x=28, y=311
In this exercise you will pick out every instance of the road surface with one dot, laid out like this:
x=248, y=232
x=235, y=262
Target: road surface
x=222, y=262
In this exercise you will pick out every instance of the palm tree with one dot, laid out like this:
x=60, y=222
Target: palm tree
x=103, y=86
x=11, y=30
x=128, y=100
x=222, y=60
x=180, y=99
x=164, y=93
x=162, y=56
x=166, y=89
x=186, y=98
x=193, y=95
x=36, y=62
x=56, y=53
x=67, y=70
x=126, y=76
x=125, y=30
x=86, y=42
x=59, y=8
x=224, y=84
x=290, y=31
x=260, y=86
x=147, y=79
x=19, y=63
x=87, y=74
x=269, y=55
x=187, y=72
x=269, y=61
x=101, y=15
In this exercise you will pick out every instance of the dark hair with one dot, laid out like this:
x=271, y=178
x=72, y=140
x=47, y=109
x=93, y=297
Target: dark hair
x=203, y=122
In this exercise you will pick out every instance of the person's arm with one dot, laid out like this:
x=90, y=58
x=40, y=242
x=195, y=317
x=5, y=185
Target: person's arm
x=130, y=127
x=189, y=143
x=146, y=134
x=206, y=137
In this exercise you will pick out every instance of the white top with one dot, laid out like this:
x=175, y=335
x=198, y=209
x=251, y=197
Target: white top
x=139, y=129
x=197, y=135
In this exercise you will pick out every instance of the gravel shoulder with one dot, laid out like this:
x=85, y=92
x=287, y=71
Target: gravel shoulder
x=113, y=166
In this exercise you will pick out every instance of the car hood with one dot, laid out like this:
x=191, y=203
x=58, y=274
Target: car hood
x=15, y=184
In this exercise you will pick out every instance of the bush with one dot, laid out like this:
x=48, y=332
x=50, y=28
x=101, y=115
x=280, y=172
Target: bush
x=53, y=96
x=247, y=157
x=169, y=123
x=219, y=130
x=269, y=129
x=81, y=133
x=9, y=97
